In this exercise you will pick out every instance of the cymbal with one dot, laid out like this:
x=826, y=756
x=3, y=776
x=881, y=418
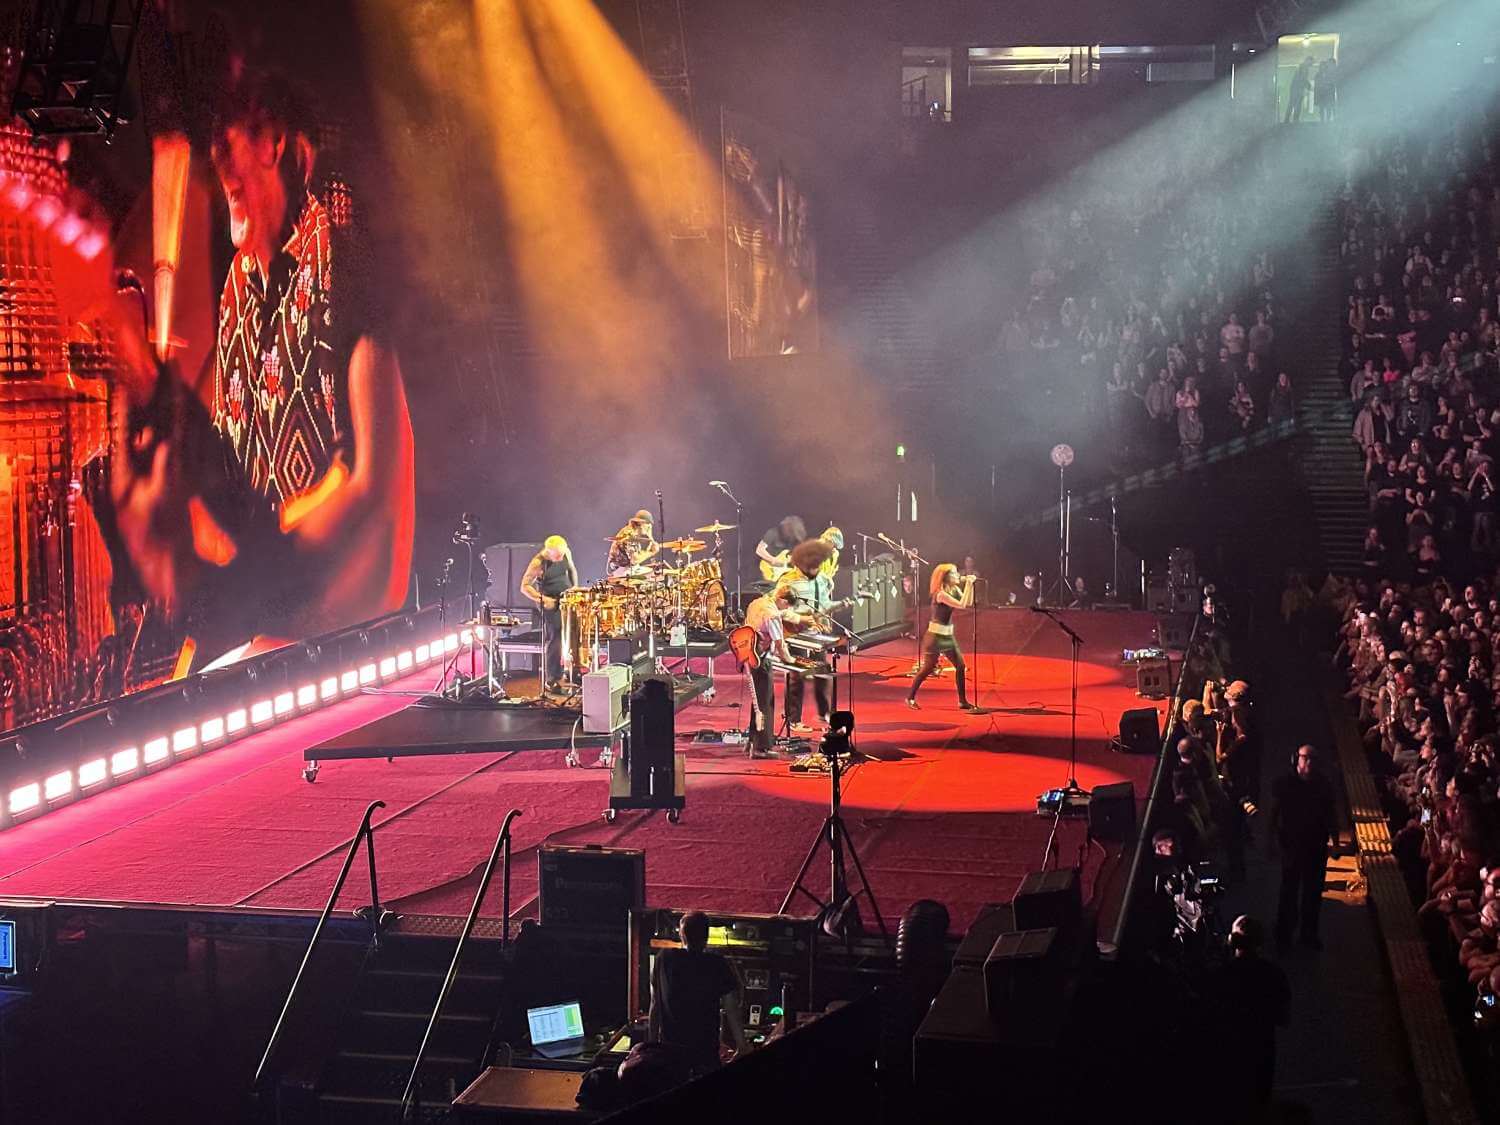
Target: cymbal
x=715, y=527
x=685, y=546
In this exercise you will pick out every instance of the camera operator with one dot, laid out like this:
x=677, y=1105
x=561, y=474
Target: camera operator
x=1187, y=897
x=1251, y=998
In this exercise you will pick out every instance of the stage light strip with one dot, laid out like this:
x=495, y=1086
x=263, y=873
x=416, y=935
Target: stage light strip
x=124, y=764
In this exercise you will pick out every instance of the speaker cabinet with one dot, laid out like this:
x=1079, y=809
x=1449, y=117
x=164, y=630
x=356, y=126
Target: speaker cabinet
x=1049, y=899
x=1140, y=731
x=1153, y=679
x=1112, y=812
x=653, y=730
x=1023, y=971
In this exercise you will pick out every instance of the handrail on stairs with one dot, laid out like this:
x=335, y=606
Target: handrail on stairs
x=502, y=845
x=366, y=835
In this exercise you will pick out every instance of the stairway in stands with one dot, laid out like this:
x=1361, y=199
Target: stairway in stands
x=1312, y=353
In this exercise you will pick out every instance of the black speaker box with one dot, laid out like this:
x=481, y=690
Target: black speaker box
x=1140, y=731
x=1173, y=630
x=1112, y=812
x=1023, y=971
x=994, y=919
x=1049, y=899
x=653, y=732
x=594, y=886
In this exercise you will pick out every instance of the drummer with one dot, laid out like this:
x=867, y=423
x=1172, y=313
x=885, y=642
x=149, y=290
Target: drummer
x=633, y=544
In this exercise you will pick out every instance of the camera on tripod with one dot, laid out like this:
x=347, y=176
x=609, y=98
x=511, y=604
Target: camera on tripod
x=835, y=741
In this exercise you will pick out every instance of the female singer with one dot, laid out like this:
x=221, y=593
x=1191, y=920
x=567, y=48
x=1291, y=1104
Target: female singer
x=949, y=592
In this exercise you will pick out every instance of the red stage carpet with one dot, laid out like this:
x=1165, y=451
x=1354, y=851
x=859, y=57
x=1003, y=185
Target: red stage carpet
x=944, y=809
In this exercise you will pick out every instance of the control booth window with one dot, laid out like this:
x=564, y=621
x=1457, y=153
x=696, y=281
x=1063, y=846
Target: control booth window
x=1033, y=66
x=927, y=83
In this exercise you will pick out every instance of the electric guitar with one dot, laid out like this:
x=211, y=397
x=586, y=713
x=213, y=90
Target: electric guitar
x=772, y=572
x=751, y=649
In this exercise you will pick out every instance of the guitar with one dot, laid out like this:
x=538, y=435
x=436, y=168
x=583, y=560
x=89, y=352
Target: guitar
x=750, y=648
x=772, y=572
x=820, y=616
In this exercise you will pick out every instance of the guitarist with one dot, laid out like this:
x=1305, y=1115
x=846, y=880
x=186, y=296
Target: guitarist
x=775, y=547
x=812, y=594
x=767, y=617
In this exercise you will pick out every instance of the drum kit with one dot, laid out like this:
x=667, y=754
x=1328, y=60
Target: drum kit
x=671, y=590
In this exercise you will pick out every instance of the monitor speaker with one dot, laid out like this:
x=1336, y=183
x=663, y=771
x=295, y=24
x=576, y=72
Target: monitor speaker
x=1112, y=812
x=1153, y=679
x=1049, y=899
x=1140, y=731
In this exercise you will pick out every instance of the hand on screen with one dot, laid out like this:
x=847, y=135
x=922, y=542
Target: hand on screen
x=151, y=507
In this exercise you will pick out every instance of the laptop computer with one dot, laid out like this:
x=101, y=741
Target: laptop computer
x=556, y=1030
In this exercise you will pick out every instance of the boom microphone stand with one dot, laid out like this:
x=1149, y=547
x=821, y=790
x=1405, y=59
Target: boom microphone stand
x=916, y=562
x=739, y=544
x=1077, y=642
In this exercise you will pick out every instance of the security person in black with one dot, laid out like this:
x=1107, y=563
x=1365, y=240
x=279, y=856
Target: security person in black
x=1302, y=823
x=690, y=990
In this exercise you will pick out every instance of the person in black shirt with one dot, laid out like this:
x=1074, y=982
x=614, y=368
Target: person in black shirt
x=949, y=592
x=775, y=547
x=690, y=990
x=1302, y=823
x=1250, y=998
x=548, y=576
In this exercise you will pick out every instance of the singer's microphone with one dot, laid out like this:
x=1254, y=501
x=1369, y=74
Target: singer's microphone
x=717, y=484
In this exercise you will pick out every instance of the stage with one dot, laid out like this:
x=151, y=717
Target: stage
x=944, y=808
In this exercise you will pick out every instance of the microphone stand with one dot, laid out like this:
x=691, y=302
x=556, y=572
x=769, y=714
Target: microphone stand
x=739, y=548
x=864, y=548
x=916, y=562
x=853, y=638
x=1077, y=642
x=661, y=519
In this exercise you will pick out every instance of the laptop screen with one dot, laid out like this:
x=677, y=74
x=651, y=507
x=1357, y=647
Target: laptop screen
x=555, y=1023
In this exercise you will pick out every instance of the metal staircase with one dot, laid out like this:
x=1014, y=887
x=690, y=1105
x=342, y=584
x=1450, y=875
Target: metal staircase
x=1331, y=465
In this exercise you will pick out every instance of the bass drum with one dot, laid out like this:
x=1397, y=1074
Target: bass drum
x=707, y=608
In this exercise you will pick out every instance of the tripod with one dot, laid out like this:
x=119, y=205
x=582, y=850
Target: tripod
x=833, y=833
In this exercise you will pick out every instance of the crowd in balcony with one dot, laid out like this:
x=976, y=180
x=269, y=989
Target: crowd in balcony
x=1160, y=318
x=1422, y=263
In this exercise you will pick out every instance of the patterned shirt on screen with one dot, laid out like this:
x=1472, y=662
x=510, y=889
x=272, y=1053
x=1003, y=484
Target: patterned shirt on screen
x=282, y=357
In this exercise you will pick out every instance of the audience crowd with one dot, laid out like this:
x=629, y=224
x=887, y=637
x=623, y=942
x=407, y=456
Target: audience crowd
x=1159, y=317
x=1420, y=627
x=1422, y=263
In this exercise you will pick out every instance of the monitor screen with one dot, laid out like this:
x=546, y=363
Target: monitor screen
x=555, y=1023
x=7, y=947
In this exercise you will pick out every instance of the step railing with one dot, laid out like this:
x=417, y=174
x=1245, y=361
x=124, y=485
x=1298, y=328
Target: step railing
x=499, y=853
x=373, y=914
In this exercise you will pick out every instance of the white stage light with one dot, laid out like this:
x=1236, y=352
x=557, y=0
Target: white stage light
x=24, y=798
x=58, y=786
